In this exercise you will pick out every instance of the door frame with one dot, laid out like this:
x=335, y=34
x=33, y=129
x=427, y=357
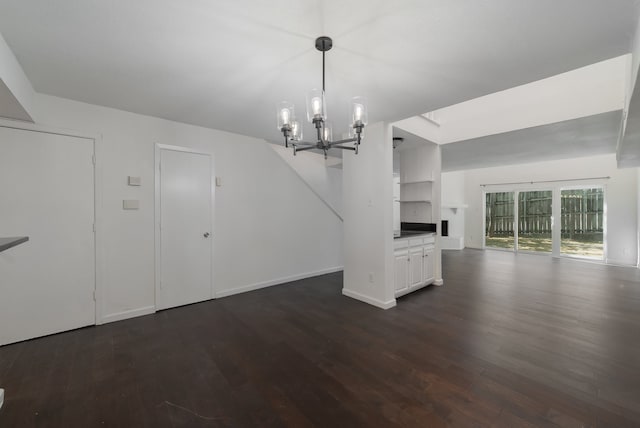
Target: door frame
x=98, y=230
x=158, y=214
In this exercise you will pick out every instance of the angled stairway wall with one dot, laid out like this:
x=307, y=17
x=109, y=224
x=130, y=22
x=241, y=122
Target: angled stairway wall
x=322, y=177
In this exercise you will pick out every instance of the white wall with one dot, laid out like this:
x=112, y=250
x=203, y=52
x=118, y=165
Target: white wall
x=590, y=90
x=628, y=150
x=632, y=68
x=368, y=219
x=621, y=197
x=268, y=226
x=314, y=170
x=16, y=92
x=453, y=187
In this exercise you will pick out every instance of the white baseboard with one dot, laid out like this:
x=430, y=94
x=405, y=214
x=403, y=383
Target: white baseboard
x=132, y=313
x=366, y=299
x=438, y=282
x=473, y=247
x=264, y=284
x=624, y=263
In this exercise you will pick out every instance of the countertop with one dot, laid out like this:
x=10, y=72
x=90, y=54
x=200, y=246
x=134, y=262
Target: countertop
x=6, y=243
x=412, y=233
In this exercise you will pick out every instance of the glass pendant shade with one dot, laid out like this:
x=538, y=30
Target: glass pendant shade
x=285, y=114
x=316, y=107
x=296, y=131
x=359, y=114
x=327, y=132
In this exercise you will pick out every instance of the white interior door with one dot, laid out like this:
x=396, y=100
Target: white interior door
x=47, y=194
x=185, y=228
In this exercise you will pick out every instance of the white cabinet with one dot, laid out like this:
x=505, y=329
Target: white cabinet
x=401, y=267
x=414, y=264
x=428, y=265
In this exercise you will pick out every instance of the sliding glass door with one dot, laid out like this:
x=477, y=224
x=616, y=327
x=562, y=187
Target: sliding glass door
x=559, y=221
x=499, y=210
x=535, y=221
x=582, y=221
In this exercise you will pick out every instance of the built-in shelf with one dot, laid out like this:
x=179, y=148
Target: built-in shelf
x=417, y=181
x=413, y=201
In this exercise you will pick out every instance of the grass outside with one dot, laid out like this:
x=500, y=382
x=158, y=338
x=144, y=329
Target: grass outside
x=542, y=243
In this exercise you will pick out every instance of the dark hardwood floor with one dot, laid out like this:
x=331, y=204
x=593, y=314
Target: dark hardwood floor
x=508, y=341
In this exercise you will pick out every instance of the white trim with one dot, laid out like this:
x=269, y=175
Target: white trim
x=157, y=214
x=182, y=149
x=366, y=299
x=278, y=281
x=438, y=282
x=612, y=262
x=99, y=229
x=96, y=140
x=1, y=397
x=131, y=313
x=46, y=129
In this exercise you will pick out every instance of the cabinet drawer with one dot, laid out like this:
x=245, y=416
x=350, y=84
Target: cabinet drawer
x=430, y=239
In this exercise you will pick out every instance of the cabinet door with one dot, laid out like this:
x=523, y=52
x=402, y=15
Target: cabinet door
x=401, y=268
x=428, y=265
x=415, y=267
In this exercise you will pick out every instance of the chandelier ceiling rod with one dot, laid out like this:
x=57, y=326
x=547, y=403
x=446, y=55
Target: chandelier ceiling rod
x=316, y=114
x=323, y=52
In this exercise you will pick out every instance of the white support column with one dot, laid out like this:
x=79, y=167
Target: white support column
x=368, y=219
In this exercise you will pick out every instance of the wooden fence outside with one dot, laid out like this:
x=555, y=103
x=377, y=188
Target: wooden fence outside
x=582, y=213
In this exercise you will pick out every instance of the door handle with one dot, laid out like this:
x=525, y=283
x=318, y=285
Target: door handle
x=206, y=234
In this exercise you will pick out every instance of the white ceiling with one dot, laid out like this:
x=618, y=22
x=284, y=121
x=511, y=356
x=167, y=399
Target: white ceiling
x=226, y=63
x=586, y=136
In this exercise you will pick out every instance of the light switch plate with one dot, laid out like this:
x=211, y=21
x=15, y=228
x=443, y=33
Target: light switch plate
x=130, y=204
x=134, y=181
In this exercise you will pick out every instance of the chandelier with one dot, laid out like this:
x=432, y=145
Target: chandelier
x=291, y=128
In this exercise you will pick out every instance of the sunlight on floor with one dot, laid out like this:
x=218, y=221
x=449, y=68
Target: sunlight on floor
x=543, y=244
